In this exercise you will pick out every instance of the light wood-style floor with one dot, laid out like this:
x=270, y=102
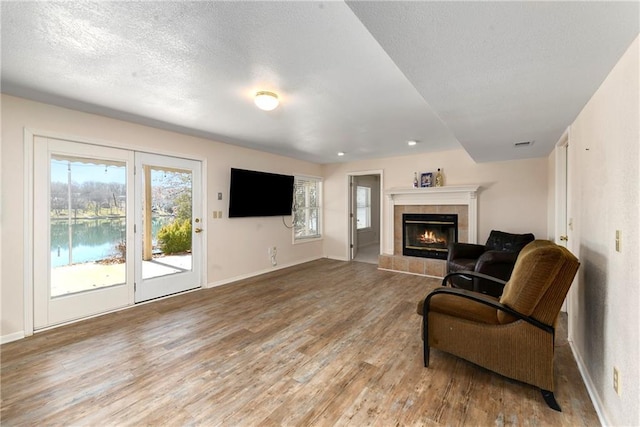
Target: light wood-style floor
x=324, y=343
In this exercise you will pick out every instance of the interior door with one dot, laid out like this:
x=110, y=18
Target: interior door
x=83, y=232
x=562, y=219
x=168, y=206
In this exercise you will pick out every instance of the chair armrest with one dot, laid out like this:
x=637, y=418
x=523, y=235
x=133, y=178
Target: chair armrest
x=483, y=299
x=471, y=274
x=465, y=250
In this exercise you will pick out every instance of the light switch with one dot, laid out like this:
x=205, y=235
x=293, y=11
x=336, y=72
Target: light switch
x=215, y=214
x=219, y=196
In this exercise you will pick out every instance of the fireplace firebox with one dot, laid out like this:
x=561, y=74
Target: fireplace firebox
x=428, y=235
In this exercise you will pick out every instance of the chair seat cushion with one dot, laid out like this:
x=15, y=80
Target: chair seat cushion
x=462, y=308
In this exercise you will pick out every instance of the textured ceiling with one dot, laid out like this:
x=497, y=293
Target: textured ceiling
x=361, y=78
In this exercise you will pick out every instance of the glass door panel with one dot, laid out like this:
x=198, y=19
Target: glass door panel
x=81, y=230
x=168, y=239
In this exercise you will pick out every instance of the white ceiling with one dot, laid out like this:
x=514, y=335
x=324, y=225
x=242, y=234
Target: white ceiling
x=362, y=77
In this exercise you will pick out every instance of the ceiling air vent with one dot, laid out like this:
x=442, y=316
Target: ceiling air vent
x=523, y=144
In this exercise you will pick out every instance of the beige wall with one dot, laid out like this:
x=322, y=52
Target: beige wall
x=236, y=247
x=512, y=198
x=604, y=181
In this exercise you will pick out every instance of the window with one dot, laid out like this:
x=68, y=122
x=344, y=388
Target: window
x=363, y=207
x=306, y=208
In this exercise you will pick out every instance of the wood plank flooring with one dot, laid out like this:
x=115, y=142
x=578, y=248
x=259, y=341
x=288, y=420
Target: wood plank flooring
x=321, y=344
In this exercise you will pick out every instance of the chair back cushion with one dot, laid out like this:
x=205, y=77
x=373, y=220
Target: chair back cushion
x=507, y=242
x=540, y=280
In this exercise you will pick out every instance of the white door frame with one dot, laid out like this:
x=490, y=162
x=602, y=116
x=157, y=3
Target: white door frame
x=349, y=179
x=28, y=191
x=562, y=227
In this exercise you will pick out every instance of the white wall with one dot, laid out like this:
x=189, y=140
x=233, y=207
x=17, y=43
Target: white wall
x=236, y=247
x=604, y=180
x=512, y=197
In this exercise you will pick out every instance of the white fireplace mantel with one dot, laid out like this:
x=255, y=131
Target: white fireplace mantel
x=450, y=195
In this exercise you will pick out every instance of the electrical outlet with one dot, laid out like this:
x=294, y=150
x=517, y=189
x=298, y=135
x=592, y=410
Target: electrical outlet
x=616, y=381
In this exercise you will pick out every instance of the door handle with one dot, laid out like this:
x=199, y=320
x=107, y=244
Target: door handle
x=198, y=230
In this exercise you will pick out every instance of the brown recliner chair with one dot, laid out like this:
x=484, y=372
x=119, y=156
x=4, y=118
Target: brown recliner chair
x=513, y=336
x=495, y=258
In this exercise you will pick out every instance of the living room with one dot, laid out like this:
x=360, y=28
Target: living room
x=515, y=195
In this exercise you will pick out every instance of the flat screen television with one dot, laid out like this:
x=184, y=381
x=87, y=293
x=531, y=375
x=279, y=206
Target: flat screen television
x=253, y=193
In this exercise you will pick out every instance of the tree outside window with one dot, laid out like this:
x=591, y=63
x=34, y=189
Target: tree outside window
x=306, y=206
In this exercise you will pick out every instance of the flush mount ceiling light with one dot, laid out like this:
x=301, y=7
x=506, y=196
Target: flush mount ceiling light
x=411, y=143
x=340, y=153
x=266, y=101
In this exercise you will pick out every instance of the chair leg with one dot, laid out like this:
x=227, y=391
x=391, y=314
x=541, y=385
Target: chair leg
x=551, y=400
x=426, y=354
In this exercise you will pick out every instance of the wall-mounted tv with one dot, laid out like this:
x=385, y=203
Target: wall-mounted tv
x=254, y=193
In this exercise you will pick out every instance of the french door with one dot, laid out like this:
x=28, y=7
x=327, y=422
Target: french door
x=104, y=236
x=82, y=194
x=168, y=200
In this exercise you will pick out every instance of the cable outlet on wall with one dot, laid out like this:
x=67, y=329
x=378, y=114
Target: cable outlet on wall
x=273, y=251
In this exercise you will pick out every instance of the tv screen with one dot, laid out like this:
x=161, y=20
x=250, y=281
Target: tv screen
x=253, y=193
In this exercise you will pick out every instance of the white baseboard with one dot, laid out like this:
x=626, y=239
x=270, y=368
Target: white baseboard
x=338, y=258
x=257, y=273
x=591, y=389
x=11, y=337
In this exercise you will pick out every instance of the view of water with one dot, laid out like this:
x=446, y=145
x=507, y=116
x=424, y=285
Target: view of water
x=92, y=239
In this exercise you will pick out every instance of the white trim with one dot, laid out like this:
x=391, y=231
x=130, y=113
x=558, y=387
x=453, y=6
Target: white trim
x=591, y=388
x=450, y=195
x=259, y=272
x=114, y=144
x=12, y=337
x=28, y=232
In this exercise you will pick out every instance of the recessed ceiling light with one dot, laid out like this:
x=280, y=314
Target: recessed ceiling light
x=412, y=143
x=340, y=153
x=266, y=101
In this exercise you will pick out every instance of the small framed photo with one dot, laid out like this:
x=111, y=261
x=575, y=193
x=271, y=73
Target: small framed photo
x=426, y=179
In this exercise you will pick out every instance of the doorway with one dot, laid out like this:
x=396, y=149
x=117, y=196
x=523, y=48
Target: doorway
x=89, y=212
x=365, y=219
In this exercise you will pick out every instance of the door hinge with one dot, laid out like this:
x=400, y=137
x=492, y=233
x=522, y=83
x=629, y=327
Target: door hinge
x=135, y=286
x=351, y=246
x=350, y=215
x=135, y=229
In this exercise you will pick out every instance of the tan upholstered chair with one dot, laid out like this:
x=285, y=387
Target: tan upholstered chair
x=513, y=335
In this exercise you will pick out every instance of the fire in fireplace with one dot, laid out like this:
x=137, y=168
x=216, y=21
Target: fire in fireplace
x=428, y=235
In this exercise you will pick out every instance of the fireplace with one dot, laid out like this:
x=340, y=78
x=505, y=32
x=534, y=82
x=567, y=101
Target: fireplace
x=428, y=235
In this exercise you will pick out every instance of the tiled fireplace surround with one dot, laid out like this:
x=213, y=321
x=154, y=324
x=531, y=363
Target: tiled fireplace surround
x=461, y=200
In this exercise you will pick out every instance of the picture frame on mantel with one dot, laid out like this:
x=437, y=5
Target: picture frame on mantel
x=426, y=179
